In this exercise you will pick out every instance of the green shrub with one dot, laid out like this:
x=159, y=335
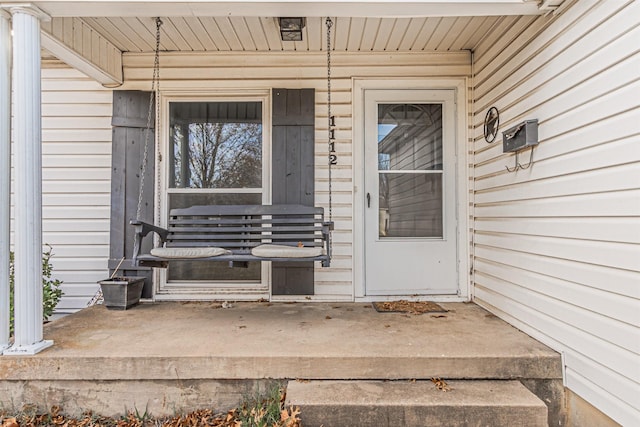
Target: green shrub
x=51, y=292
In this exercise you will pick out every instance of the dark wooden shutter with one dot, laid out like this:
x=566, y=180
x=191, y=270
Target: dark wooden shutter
x=293, y=175
x=129, y=121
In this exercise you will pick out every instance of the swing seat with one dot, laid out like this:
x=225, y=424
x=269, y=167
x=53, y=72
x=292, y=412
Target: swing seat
x=284, y=251
x=188, y=253
x=238, y=234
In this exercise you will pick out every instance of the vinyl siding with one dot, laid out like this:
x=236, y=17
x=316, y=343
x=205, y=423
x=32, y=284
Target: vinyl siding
x=238, y=72
x=76, y=159
x=557, y=246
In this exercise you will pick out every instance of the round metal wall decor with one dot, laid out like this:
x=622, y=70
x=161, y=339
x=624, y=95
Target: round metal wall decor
x=491, y=124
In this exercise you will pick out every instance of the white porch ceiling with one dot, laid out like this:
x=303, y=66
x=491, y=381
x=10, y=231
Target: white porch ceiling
x=93, y=35
x=261, y=34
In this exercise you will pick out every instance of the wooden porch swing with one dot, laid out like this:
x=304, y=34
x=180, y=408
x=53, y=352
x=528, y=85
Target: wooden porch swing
x=237, y=233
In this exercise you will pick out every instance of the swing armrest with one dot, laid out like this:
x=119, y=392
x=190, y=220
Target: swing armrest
x=141, y=230
x=144, y=228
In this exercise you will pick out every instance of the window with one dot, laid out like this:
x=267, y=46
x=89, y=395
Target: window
x=216, y=155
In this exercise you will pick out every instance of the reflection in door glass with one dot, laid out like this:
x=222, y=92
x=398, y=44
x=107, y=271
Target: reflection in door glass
x=410, y=137
x=410, y=205
x=410, y=170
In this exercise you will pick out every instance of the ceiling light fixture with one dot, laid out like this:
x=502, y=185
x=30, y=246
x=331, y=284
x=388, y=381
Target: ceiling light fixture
x=291, y=29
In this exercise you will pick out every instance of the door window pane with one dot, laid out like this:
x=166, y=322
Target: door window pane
x=410, y=137
x=410, y=170
x=410, y=205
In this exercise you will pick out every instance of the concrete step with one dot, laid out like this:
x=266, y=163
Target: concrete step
x=420, y=403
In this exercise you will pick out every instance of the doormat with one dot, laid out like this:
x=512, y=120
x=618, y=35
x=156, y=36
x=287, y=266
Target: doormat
x=413, y=307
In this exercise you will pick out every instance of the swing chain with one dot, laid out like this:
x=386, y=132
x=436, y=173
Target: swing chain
x=153, y=100
x=98, y=298
x=331, y=120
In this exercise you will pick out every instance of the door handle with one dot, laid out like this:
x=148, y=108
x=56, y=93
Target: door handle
x=368, y=200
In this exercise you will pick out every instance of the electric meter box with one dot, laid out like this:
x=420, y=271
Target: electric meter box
x=520, y=136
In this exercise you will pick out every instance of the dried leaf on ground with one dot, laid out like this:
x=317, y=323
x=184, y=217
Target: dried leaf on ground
x=290, y=417
x=267, y=412
x=203, y=417
x=10, y=422
x=404, y=306
x=441, y=384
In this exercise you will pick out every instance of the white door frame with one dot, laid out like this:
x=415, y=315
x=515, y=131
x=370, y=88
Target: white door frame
x=462, y=186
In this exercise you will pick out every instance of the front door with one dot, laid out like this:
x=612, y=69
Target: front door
x=410, y=197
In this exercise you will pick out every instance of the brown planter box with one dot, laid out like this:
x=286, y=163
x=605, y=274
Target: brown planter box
x=121, y=293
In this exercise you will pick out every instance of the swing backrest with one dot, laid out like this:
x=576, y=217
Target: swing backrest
x=242, y=227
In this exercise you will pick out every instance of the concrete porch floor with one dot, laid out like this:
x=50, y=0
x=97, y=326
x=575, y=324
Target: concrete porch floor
x=190, y=352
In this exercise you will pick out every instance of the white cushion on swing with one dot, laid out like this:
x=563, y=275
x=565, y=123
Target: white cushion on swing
x=283, y=251
x=188, y=253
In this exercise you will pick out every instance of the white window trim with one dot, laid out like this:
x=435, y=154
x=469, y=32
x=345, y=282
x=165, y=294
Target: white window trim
x=201, y=291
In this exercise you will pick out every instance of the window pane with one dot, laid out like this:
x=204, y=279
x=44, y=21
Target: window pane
x=410, y=205
x=410, y=137
x=211, y=271
x=185, y=200
x=207, y=270
x=215, y=144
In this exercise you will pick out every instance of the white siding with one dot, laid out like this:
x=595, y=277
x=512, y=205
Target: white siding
x=245, y=71
x=557, y=246
x=76, y=146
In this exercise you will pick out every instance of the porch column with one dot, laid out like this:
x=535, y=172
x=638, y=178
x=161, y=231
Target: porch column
x=27, y=125
x=5, y=173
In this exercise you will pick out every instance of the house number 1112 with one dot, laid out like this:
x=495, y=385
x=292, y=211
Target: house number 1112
x=333, y=157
